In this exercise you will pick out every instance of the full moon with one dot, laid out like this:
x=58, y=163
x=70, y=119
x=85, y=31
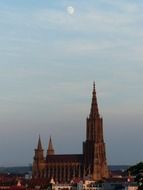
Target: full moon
x=70, y=10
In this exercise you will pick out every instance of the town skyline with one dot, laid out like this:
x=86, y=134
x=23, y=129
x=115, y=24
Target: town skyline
x=49, y=60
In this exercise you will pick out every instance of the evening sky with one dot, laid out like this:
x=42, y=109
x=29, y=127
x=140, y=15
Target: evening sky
x=48, y=62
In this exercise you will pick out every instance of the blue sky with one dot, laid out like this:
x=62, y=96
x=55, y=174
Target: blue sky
x=48, y=62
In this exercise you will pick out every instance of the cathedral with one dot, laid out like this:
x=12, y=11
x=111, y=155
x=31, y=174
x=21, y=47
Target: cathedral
x=63, y=168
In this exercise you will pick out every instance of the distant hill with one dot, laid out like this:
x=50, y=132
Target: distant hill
x=118, y=167
x=16, y=170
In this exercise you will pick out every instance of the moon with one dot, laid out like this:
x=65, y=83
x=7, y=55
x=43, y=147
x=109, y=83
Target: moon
x=70, y=10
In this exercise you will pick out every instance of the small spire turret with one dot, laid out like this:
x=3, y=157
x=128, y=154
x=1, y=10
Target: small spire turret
x=39, y=146
x=39, y=155
x=50, y=150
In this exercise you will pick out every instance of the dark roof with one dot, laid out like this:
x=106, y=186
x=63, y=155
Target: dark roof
x=65, y=158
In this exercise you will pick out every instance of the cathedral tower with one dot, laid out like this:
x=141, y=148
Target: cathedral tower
x=95, y=164
x=38, y=163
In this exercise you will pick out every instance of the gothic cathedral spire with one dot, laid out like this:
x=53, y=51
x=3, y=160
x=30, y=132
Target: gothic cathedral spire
x=39, y=151
x=39, y=146
x=50, y=150
x=38, y=162
x=94, y=113
x=95, y=163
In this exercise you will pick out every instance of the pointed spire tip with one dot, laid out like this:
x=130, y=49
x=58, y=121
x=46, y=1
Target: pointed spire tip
x=50, y=150
x=39, y=147
x=93, y=85
x=94, y=106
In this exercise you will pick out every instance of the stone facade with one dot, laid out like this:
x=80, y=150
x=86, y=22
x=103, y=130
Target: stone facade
x=64, y=168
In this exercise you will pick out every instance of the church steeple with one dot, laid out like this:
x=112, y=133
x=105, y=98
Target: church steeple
x=94, y=113
x=39, y=146
x=39, y=155
x=38, y=161
x=50, y=150
x=94, y=146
